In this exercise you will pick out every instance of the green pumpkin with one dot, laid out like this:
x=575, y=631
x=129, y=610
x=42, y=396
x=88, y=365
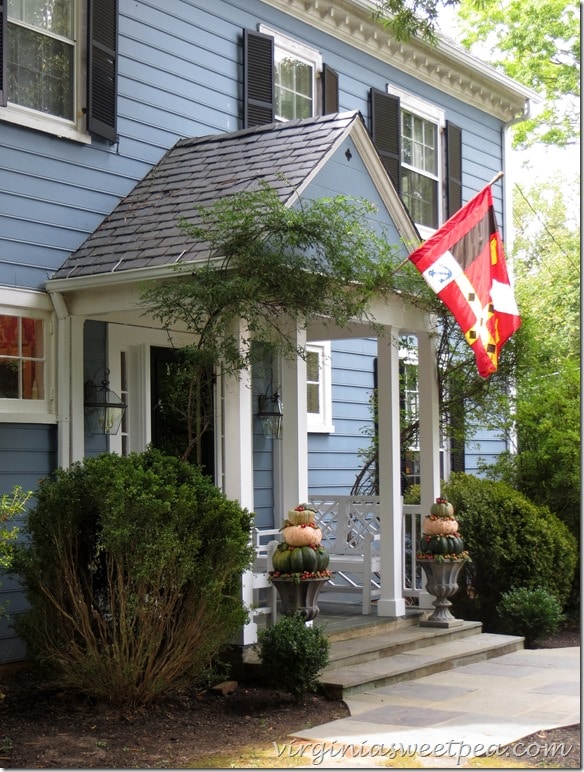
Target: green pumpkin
x=281, y=559
x=322, y=558
x=447, y=544
x=442, y=508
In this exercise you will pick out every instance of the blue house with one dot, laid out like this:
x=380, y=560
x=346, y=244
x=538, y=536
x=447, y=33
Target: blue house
x=117, y=117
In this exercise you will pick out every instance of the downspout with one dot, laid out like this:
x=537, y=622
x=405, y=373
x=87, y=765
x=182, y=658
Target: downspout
x=63, y=379
x=509, y=228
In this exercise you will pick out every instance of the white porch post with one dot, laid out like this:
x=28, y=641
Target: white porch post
x=291, y=452
x=429, y=416
x=238, y=466
x=429, y=412
x=77, y=414
x=391, y=602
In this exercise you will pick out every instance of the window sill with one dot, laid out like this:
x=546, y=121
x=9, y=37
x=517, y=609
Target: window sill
x=30, y=119
x=14, y=416
x=321, y=429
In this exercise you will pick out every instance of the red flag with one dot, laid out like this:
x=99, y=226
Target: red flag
x=464, y=264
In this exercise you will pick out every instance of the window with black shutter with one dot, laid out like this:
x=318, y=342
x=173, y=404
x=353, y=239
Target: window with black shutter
x=453, y=168
x=3, y=58
x=410, y=135
x=258, y=78
x=385, y=132
x=102, y=34
x=281, y=79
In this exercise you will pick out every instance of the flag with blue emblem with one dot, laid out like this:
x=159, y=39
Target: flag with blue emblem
x=464, y=264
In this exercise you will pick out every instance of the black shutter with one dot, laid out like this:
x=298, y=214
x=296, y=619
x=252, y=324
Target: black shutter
x=330, y=90
x=386, y=132
x=453, y=169
x=258, y=79
x=3, y=53
x=102, y=70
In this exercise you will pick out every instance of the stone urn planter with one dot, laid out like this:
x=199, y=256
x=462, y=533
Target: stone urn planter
x=441, y=556
x=300, y=564
x=299, y=596
x=442, y=576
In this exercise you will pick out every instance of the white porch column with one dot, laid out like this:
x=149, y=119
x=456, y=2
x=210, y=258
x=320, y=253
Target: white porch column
x=77, y=385
x=291, y=452
x=238, y=467
x=429, y=412
x=391, y=602
x=429, y=415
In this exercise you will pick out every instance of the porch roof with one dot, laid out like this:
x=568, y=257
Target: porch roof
x=142, y=232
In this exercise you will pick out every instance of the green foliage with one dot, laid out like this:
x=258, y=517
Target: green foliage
x=512, y=543
x=536, y=42
x=546, y=407
x=270, y=268
x=293, y=655
x=11, y=505
x=411, y=18
x=132, y=572
x=534, y=614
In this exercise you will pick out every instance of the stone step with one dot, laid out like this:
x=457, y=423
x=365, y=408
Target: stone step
x=339, y=682
x=393, y=640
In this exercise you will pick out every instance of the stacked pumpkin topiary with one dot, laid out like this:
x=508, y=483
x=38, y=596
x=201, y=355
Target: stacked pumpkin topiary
x=301, y=554
x=440, y=536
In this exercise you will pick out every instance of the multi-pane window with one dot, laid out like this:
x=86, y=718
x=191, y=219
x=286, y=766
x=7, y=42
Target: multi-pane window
x=318, y=387
x=41, y=56
x=296, y=67
x=22, y=358
x=420, y=168
x=293, y=87
x=313, y=382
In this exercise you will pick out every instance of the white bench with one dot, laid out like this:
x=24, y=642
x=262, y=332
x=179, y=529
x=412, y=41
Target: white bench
x=350, y=534
x=265, y=594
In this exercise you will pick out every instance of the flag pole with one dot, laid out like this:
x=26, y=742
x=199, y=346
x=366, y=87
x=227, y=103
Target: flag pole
x=495, y=179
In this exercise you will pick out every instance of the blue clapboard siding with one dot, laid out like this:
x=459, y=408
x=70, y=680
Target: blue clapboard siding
x=28, y=452
x=333, y=459
x=179, y=75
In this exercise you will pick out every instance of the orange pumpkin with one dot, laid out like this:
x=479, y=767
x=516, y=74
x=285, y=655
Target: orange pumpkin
x=439, y=525
x=302, y=536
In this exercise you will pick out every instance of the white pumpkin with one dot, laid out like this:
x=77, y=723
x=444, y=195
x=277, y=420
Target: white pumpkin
x=302, y=535
x=433, y=525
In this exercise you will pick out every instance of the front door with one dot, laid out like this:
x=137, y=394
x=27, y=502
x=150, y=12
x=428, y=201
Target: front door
x=176, y=430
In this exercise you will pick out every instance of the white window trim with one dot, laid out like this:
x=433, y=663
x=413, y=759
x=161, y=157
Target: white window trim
x=300, y=51
x=434, y=114
x=52, y=124
x=322, y=422
x=34, y=305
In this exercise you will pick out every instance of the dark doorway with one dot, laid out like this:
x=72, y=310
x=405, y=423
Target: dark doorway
x=169, y=398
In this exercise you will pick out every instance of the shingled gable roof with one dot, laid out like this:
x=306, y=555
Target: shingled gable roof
x=142, y=230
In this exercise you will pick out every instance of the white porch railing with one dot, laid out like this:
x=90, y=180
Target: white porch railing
x=351, y=534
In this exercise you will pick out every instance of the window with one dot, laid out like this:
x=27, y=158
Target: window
x=41, y=56
x=421, y=152
x=54, y=78
x=23, y=375
x=419, y=160
x=284, y=79
x=318, y=387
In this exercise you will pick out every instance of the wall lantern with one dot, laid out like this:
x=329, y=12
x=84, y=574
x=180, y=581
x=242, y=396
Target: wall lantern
x=104, y=410
x=271, y=413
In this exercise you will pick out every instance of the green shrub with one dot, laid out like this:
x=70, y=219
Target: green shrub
x=512, y=543
x=293, y=655
x=132, y=571
x=534, y=614
x=11, y=505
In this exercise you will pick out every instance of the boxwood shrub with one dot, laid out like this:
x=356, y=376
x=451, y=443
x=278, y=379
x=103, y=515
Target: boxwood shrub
x=132, y=569
x=513, y=544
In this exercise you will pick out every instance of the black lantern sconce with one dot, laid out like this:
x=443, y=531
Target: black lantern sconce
x=271, y=413
x=104, y=410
